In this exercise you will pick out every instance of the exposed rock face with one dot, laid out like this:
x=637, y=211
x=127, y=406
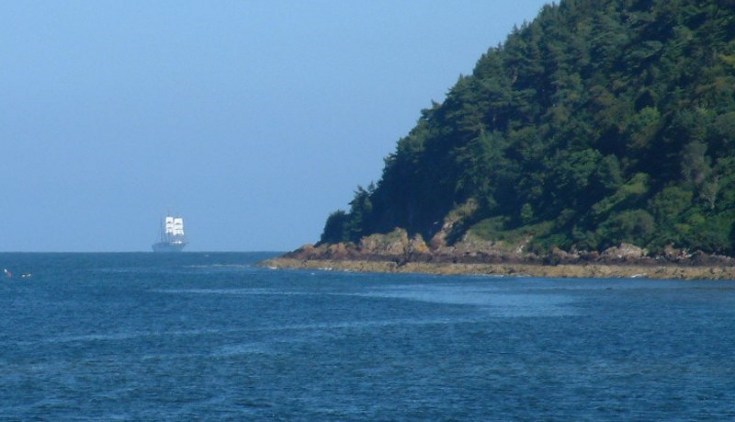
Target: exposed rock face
x=439, y=240
x=394, y=246
x=471, y=249
x=452, y=223
x=624, y=252
x=394, y=243
x=417, y=246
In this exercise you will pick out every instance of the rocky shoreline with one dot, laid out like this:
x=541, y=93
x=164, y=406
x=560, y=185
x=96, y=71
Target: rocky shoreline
x=395, y=252
x=672, y=272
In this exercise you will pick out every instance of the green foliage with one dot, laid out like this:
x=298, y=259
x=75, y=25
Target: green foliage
x=713, y=234
x=526, y=213
x=361, y=214
x=335, y=228
x=608, y=174
x=499, y=229
x=669, y=207
x=694, y=163
x=631, y=226
x=642, y=128
x=627, y=194
x=599, y=122
x=491, y=228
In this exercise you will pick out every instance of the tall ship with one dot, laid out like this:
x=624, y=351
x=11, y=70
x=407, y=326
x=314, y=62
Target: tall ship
x=172, y=235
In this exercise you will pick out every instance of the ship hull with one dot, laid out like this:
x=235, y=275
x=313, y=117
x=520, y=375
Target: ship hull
x=168, y=246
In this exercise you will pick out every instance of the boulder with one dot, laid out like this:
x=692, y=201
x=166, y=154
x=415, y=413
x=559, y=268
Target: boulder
x=391, y=244
x=624, y=252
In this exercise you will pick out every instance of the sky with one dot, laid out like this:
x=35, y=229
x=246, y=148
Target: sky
x=252, y=119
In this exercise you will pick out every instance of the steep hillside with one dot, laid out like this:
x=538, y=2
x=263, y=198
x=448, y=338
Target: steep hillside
x=601, y=122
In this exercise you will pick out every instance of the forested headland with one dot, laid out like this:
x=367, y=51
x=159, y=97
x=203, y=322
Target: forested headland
x=599, y=123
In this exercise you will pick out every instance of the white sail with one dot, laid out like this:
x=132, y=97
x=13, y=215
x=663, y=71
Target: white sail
x=178, y=226
x=169, y=225
x=172, y=235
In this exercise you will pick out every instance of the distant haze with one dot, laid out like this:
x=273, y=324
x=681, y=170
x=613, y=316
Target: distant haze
x=251, y=119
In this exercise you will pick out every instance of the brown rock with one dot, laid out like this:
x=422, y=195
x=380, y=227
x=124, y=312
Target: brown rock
x=337, y=251
x=392, y=244
x=418, y=246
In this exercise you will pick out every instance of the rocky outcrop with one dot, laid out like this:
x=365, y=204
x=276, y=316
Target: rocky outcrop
x=397, y=252
x=394, y=246
x=455, y=222
x=399, y=249
x=471, y=249
x=624, y=252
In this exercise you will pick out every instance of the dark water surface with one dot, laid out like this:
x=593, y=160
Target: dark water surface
x=212, y=337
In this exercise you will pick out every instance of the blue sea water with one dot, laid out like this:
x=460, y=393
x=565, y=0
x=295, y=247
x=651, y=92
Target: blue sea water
x=196, y=336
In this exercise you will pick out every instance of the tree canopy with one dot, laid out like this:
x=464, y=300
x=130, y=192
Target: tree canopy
x=600, y=122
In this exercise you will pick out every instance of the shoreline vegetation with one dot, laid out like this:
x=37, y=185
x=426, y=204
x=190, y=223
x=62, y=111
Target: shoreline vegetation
x=396, y=253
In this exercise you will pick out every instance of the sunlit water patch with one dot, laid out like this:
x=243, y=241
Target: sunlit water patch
x=495, y=300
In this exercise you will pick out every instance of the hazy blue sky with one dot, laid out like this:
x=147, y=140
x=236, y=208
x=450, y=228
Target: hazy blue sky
x=252, y=119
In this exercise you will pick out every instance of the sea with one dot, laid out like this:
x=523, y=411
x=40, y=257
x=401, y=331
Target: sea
x=214, y=336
